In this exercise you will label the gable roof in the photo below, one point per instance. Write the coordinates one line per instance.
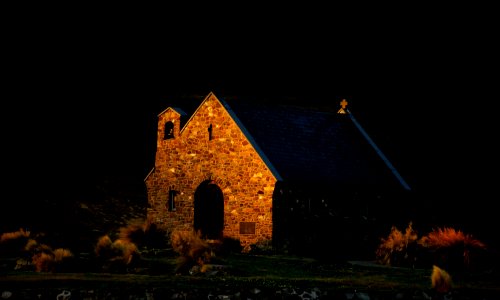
(307, 145)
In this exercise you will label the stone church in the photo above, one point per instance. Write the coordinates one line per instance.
(262, 172)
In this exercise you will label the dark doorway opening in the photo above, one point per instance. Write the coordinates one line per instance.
(209, 210)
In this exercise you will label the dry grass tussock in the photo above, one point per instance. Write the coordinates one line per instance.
(113, 253)
(35, 255)
(124, 250)
(449, 237)
(16, 235)
(441, 280)
(192, 249)
(400, 248)
(397, 248)
(446, 249)
(51, 261)
(118, 250)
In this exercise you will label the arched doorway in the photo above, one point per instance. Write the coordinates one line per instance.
(209, 210)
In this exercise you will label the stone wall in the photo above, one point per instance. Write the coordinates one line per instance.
(228, 158)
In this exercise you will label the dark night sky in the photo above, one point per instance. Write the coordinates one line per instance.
(81, 101)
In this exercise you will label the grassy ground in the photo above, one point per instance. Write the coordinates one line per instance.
(243, 271)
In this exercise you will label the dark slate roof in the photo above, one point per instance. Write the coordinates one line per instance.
(310, 146)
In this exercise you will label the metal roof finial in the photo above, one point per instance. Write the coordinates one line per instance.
(342, 109)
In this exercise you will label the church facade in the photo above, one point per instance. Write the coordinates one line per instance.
(258, 175)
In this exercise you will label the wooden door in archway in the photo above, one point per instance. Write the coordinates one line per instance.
(209, 210)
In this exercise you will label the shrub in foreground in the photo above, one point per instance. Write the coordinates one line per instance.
(193, 251)
(448, 248)
(440, 280)
(398, 248)
(33, 255)
(452, 249)
(116, 256)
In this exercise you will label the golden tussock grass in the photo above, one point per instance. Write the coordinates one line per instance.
(133, 232)
(449, 237)
(60, 254)
(440, 280)
(193, 250)
(444, 244)
(7, 236)
(49, 261)
(119, 250)
(126, 249)
(395, 247)
(456, 246)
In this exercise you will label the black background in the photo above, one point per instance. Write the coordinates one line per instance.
(81, 90)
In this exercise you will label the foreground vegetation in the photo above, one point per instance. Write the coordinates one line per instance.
(125, 262)
(124, 255)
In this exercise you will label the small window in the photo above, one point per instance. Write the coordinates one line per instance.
(169, 130)
(210, 128)
(171, 199)
(247, 227)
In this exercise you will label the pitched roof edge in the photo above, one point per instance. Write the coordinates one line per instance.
(379, 152)
(178, 110)
(198, 108)
(251, 140)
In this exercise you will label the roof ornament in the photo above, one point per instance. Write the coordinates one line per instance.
(342, 109)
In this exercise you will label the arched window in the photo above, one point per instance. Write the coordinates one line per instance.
(169, 130)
